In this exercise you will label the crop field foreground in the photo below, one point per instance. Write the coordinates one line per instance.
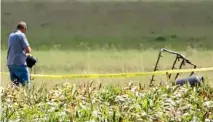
(85, 103)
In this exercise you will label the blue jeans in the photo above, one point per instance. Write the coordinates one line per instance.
(19, 75)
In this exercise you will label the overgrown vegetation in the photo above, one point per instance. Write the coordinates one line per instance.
(85, 103)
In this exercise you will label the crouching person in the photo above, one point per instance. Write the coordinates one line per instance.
(18, 49)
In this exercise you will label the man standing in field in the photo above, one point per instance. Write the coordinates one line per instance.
(18, 49)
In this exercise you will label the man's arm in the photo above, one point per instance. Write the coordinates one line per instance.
(25, 44)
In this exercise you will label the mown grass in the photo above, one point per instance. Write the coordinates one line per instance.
(86, 103)
(107, 61)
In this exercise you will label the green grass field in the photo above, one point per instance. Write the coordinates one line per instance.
(110, 37)
(120, 25)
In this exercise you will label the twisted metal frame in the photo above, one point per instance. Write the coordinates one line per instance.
(179, 57)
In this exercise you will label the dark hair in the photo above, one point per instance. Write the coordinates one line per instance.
(20, 26)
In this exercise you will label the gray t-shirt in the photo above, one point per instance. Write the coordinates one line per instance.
(16, 43)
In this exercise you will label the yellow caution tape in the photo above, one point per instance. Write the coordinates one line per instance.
(120, 74)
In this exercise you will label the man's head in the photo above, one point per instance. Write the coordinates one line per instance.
(22, 26)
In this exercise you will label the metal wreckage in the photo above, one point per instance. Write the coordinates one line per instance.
(192, 79)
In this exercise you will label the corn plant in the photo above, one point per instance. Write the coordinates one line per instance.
(85, 103)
